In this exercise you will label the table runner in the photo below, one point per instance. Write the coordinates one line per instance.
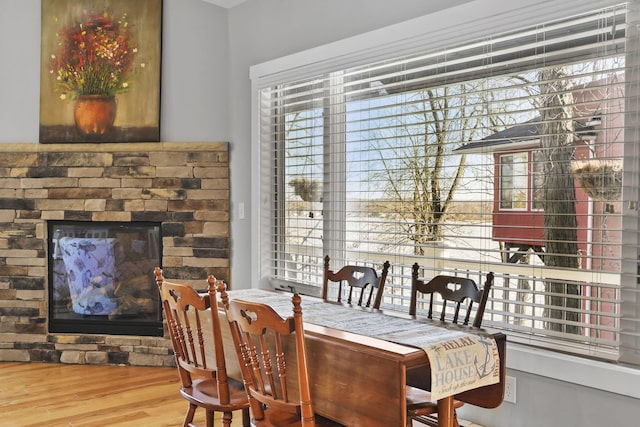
(459, 360)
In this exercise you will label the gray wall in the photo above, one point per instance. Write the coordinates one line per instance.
(19, 70)
(545, 402)
(207, 52)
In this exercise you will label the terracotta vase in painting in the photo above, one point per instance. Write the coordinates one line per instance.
(94, 114)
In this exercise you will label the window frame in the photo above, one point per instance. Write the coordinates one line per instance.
(514, 188)
(533, 173)
(475, 17)
(531, 187)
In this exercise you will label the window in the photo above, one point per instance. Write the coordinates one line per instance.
(537, 179)
(514, 181)
(433, 157)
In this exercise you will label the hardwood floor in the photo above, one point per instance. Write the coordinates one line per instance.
(55, 395)
(51, 395)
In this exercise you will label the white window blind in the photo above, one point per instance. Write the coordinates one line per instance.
(516, 153)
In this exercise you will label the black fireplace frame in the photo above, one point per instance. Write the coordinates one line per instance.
(101, 324)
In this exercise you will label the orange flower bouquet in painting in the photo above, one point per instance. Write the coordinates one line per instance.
(92, 64)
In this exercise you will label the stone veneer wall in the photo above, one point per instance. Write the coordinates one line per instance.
(184, 186)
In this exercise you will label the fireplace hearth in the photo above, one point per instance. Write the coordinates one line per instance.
(99, 278)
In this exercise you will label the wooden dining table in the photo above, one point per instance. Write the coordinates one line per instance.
(359, 380)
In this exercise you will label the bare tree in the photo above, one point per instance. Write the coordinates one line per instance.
(421, 175)
(559, 202)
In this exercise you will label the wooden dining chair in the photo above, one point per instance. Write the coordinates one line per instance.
(363, 280)
(263, 342)
(456, 296)
(193, 326)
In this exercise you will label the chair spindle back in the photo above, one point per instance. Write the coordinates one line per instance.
(461, 292)
(363, 279)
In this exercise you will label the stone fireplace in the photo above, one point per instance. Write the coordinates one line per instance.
(182, 189)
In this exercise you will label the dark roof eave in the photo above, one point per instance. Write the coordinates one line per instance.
(519, 137)
(486, 147)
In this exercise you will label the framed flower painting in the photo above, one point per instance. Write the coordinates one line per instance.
(100, 71)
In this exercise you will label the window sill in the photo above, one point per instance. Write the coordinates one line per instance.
(589, 373)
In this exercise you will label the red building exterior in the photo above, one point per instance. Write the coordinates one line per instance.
(518, 224)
